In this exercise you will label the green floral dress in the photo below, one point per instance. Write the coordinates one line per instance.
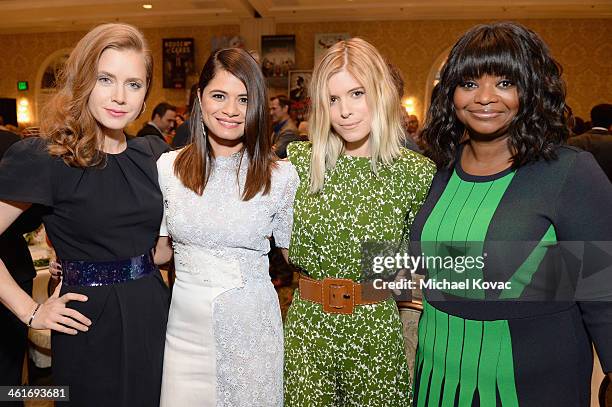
(356, 359)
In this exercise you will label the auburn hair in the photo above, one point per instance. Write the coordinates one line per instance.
(192, 165)
(72, 131)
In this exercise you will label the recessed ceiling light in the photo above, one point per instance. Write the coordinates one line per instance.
(147, 6)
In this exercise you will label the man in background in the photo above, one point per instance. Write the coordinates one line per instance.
(412, 128)
(598, 140)
(162, 120)
(285, 130)
(183, 132)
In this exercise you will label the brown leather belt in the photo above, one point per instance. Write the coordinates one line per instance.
(339, 295)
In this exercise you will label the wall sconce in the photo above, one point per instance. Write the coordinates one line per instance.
(409, 105)
(24, 115)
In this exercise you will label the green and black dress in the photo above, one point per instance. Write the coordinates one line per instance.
(496, 349)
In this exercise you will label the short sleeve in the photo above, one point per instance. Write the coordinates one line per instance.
(423, 173)
(418, 172)
(583, 206)
(26, 173)
(165, 165)
(163, 228)
(283, 219)
(299, 153)
(583, 214)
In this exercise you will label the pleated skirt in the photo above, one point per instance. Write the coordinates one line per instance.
(118, 362)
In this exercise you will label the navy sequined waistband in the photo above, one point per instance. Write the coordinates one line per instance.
(100, 273)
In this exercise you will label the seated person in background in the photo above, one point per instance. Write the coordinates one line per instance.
(598, 140)
(412, 128)
(162, 120)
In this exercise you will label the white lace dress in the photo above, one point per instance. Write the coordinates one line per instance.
(224, 342)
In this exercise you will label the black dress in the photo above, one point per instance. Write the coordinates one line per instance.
(106, 213)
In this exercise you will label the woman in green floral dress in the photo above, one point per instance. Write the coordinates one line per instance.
(356, 185)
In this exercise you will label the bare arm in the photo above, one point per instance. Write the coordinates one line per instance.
(285, 253)
(163, 250)
(53, 314)
(11, 295)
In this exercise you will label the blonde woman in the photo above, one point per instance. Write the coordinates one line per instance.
(102, 208)
(356, 185)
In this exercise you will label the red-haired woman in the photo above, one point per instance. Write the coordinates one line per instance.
(102, 208)
(224, 196)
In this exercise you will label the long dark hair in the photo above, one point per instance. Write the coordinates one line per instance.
(192, 166)
(517, 53)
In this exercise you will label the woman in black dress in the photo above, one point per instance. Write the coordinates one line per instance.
(102, 211)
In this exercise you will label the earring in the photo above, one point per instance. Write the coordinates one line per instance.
(203, 129)
(201, 114)
(144, 107)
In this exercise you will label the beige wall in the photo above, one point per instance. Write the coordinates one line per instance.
(584, 48)
(24, 54)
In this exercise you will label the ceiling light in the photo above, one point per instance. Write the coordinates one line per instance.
(147, 6)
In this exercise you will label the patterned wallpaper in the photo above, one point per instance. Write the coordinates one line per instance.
(24, 54)
(584, 48)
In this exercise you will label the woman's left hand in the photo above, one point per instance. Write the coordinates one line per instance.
(55, 269)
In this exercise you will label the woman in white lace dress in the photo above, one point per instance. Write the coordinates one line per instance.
(224, 196)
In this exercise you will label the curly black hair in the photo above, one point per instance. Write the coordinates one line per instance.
(513, 51)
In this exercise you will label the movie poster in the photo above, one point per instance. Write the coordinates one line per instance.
(299, 81)
(277, 59)
(178, 61)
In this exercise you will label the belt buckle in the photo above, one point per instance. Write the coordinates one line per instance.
(338, 295)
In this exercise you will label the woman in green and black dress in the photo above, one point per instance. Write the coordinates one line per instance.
(496, 130)
(356, 185)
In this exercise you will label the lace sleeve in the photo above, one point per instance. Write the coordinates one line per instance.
(164, 170)
(163, 228)
(283, 219)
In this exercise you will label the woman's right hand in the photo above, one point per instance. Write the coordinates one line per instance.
(53, 314)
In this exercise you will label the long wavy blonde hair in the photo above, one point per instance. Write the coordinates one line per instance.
(363, 61)
(73, 132)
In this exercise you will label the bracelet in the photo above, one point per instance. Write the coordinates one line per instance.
(33, 315)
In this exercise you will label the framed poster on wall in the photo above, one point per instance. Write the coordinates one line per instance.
(178, 61)
(277, 59)
(299, 81)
